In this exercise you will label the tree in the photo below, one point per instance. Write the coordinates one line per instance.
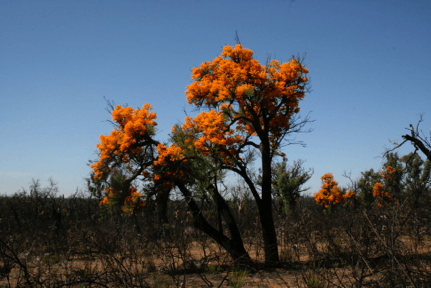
(123, 157)
(365, 184)
(418, 140)
(393, 173)
(390, 185)
(250, 109)
(408, 175)
(417, 174)
(251, 106)
(288, 181)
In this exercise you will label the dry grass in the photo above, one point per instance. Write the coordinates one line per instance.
(84, 247)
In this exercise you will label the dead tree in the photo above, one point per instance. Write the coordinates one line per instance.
(421, 143)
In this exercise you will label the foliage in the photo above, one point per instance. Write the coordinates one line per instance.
(236, 279)
(133, 129)
(129, 200)
(393, 176)
(246, 99)
(417, 174)
(365, 184)
(288, 181)
(123, 155)
(383, 197)
(329, 194)
(408, 174)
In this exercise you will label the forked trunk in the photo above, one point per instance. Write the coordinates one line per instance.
(233, 246)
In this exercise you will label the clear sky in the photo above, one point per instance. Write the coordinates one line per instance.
(369, 65)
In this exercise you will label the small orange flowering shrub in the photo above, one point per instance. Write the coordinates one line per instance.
(383, 198)
(330, 194)
(381, 195)
(133, 202)
(130, 204)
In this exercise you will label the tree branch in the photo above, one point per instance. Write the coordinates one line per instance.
(418, 143)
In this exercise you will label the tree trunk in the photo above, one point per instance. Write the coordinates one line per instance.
(136, 224)
(226, 213)
(234, 246)
(162, 198)
(268, 232)
(265, 210)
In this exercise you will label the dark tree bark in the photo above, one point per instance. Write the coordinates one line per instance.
(418, 143)
(265, 210)
(162, 198)
(233, 246)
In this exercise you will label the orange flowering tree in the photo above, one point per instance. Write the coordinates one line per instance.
(128, 148)
(330, 194)
(251, 109)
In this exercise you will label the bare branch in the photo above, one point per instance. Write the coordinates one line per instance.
(417, 141)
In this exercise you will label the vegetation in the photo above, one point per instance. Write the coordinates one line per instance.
(51, 241)
(330, 195)
(161, 214)
(251, 109)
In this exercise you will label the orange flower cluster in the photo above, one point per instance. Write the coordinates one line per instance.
(132, 126)
(349, 194)
(132, 202)
(259, 97)
(384, 199)
(330, 194)
(166, 156)
(388, 173)
(382, 196)
(207, 131)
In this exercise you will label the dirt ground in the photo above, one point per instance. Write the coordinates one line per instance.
(198, 266)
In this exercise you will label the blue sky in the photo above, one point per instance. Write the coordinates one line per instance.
(369, 65)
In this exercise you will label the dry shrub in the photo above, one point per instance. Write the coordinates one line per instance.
(74, 243)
